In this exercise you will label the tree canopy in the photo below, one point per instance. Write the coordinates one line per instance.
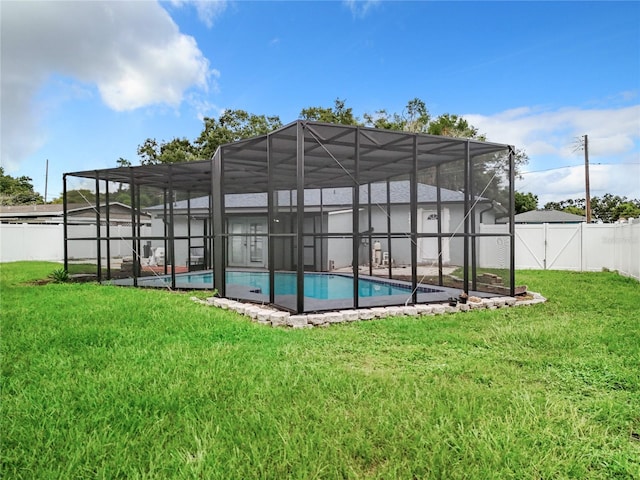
(525, 202)
(17, 190)
(233, 125)
(339, 114)
(607, 209)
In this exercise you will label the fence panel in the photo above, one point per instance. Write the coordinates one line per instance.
(31, 242)
(564, 246)
(627, 249)
(599, 247)
(530, 247)
(494, 252)
(46, 242)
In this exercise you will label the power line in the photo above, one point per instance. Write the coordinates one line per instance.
(576, 166)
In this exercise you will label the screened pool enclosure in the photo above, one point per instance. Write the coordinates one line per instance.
(311, 217)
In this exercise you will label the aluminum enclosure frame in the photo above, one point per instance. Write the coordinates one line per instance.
(298, 160)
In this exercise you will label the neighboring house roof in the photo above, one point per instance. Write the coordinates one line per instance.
(332, 197)
(545, 216)
(54, 212)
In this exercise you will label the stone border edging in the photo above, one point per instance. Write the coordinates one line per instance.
(277, 318)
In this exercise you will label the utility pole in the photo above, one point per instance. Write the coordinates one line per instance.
(582, 143)
(46, 181)
(586, 178)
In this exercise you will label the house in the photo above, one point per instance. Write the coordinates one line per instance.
(247, 215)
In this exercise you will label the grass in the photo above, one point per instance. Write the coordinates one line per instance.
(108, 382)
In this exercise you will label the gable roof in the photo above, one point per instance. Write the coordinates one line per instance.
(545, 216)
(55, 211)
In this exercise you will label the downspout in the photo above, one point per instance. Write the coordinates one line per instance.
(484, 210)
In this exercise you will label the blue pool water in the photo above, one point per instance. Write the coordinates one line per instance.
(316, 285)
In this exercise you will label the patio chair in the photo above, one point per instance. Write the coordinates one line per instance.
(196, 258)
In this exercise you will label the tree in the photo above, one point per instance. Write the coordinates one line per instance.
(628, 210)
(175, 151)
(449, 125)
(339, 114)
(525, 202)
(123, 162)
(611, 208)
(17, 190)
(231, 126)
(415, 118)
(573, 206)
(489, 174)
(608, 209)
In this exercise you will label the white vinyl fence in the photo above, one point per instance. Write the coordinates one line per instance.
(578, 247)
(46, 242)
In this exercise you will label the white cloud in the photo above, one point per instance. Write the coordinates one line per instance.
(561, 184)
(208, 10)
(132, 52)
(360, 8)
(549, 138)
(541, 131)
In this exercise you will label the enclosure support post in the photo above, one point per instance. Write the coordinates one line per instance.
(389, 260)
(465, 237)
(439, 209)
(271, 220)
(512, 232)
(370, 229)
(172, 238)
(189, 232)
(208, 234)
(300, 218)
(165, 230)
(413, 200)
(108, 229)
(217, 223)
(355, 221)
(138, 231)
(472, 224)
(65, 222)
(132, 197)
(98, 240)
(323, 264)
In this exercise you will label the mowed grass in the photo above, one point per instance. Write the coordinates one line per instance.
(108, 382)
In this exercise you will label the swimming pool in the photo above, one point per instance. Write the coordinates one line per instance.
(320, 286)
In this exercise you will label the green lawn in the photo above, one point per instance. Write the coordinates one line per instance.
(107, 382)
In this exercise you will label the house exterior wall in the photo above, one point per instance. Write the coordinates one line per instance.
(340, 249)
(180, 230)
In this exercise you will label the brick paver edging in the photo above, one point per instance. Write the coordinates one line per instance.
(269, 316)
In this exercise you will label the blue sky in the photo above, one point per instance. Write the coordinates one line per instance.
(84, 83)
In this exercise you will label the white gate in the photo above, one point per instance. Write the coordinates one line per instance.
(549, 247)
